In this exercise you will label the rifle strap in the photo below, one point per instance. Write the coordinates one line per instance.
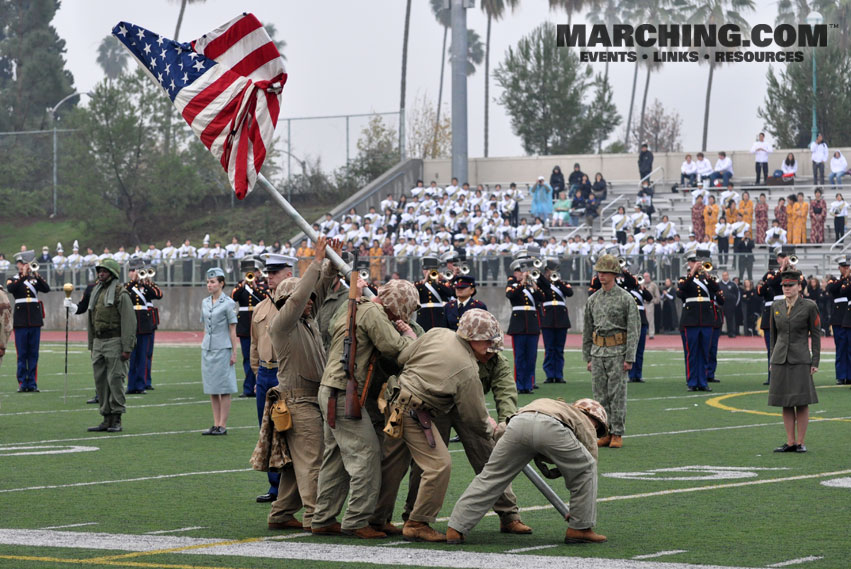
(370, 368)
(331, 414)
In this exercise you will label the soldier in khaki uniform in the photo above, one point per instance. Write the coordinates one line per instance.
(495, 375)
(112, 337)
(301, 358)
(352, 456)
(5, 322)
(546, 430)
(440, 375)
(609, 341)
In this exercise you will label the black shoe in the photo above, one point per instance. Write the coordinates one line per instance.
(267, 497)
(637, 380)
(149, 388)
(800, 448)
(93, 401)
(787, 448)
(534, 387)
(840, 382)
(115, 426)
(34, 390)
(560, 381)
(211, 431)
(692, 389)
(455, 439)
(219, 431)
(707, 388)
(713, 380)
(549, 380)
(100, 428)
(243, 395)
(766, 382)
(21, 389)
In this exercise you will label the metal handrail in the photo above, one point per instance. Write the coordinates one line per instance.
(608, 205)
(840, 240)
(575, 231)
(647, 177)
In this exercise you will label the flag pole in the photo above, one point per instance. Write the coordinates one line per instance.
(332, 255)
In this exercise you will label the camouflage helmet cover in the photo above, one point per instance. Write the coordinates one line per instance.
(594, 409)
(399, 297)
(607, 264)
(286, 288)
(478, 324)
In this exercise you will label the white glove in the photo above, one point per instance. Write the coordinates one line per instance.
(70, 305)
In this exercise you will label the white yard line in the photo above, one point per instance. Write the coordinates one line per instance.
(534, 548)
(677, 408)
(131, 405)
(164, 531)
(71, 525)
(124, 436)
(798, 561)
(452, 557)
(660, 554)
(391, 543)
(140, 479)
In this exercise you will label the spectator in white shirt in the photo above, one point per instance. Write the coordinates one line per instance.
(699, 192)
(388, 202)
(704, 167)
(666, 229)
(819, 157)
(688, 170)
(723, 169)
(418, 190)
(776, 236)
(838, 168)
(621, 225)
(730, 194)
(838, 209)
(761, 149)
(789, 167)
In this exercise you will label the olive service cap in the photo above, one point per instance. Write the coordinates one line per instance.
(790, 276)
(478, 324)
(607, 264)
(399, 297)
(594, 409)
(110, 265)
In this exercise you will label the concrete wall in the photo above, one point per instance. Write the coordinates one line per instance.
(615, 167)
(180, 308)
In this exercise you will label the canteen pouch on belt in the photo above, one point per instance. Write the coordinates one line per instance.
(281, 416)
(389, 401)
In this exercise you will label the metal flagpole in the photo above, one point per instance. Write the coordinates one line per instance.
(68, 288)
(341, 265)
(344, 268)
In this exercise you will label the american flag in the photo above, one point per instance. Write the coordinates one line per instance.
(227, 85)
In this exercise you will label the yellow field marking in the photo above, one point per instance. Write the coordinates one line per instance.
(116, 563)
(172, 550)
(716, 402)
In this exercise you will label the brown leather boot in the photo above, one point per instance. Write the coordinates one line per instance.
(366, 532)
(604, 442)
(387, 528)
(583, 536)
(419, 531)
(333, 529)
(289, 524)
(514, 526)
(454, 537)
(617, 442)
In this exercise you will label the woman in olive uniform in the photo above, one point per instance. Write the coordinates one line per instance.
(794, 324)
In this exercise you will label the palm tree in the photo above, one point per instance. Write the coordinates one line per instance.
(112, 57)
(571, 6)
(444, 18)
(717, 12)
(475, 51)
(404, 76)
(279, 44)
(495, 9)
(183, 4)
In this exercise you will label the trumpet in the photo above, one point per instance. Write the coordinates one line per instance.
(555, 277)
(34, 266)
(433, 275)
(640, 280)
(364, 274)
(465, 269)
(793, 260)
(448, 275)
(622, 262)
(535, 274)
(250, 277)
(538, 263)
(707, 266)
(147, 274)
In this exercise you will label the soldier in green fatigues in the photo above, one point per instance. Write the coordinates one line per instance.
(112, 337)
(609, 340)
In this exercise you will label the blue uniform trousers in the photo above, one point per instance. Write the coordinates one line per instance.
(525, 348)
(712, 363)
(698, 342)
(138, 373)
(554, 339)
(638, 364)
(840, 339)
(149, 361)
(26, 344)
(250, 379)
(767, 338)
(266, 379)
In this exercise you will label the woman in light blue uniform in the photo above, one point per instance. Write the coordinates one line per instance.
(218, 350)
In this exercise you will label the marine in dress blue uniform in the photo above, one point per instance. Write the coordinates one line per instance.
(845, 292)
(140, 292)
(465, 290)
(27, 319)
(434, 291)
(717, 323)
(769, 289)
(837, 315)
(697, 289)
(555, 319)
(248, 294)
(157, 294)
(525, 296)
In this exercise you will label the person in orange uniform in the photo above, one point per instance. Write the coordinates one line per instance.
(746, 208)
(710, 217)
(799, 211)
(305, 254)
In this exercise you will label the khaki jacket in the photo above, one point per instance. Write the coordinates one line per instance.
(5, 318)
(497, 376)
(790, 334)
(261, 344)
(440, 368)
(374, 332)
(570, 417)
(296, 338)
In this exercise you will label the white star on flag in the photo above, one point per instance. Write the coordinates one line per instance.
(141, 33)
(122, 31)
(199, 65)
(147, 48)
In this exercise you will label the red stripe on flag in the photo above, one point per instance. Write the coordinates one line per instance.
(274, 107)
(234, 34)
(222, 120)
(256, 59)
(259, 149)
(203, 99)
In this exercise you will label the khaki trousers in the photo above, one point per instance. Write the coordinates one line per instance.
(351, 464)
(434, 463)
(299, 479)
(527, 435)
(478, 450)
(110, 371)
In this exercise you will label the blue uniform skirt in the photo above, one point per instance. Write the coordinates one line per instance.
(218, 376)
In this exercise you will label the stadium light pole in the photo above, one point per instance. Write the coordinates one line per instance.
(814, 19)
(459, 87)
(52, 111)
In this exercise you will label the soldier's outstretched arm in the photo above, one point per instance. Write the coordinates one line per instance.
(633, 331)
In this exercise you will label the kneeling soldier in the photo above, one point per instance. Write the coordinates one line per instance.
(556, 432)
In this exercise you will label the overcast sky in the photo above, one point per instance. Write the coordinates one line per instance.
(344, 57)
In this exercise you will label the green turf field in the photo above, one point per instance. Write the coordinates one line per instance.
(695, 483)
